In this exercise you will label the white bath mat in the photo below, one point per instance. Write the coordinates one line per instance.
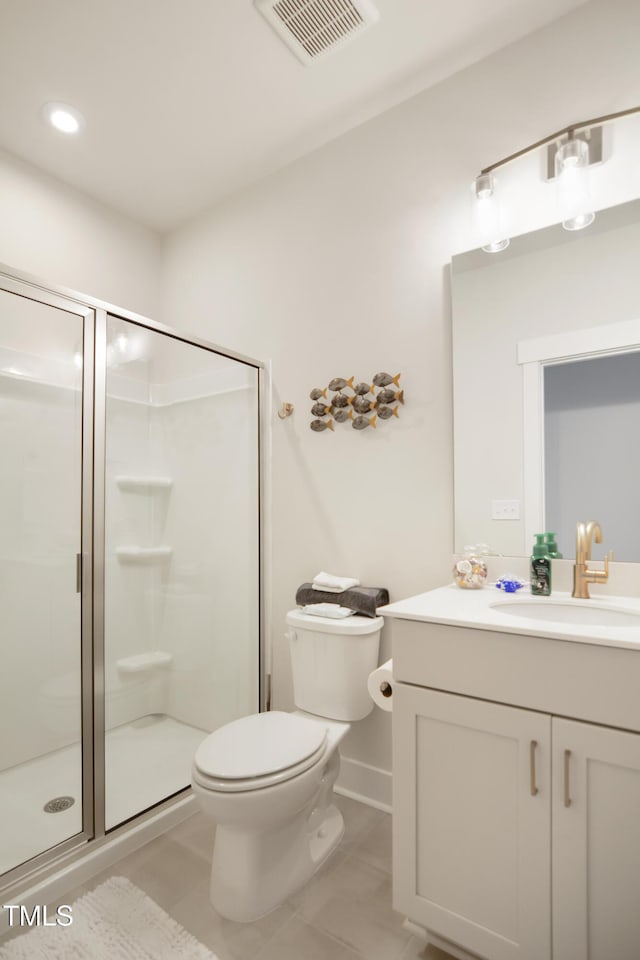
(116, 921)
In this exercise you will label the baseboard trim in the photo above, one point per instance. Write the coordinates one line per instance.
(365, 783)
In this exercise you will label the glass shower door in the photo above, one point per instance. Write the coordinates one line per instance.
(41, 466)
(181, 558)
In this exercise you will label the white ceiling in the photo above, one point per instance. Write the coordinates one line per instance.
(187, 101)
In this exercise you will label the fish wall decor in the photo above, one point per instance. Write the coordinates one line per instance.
(375, 394)
(319, 425)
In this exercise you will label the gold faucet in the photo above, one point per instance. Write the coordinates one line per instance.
(582, 574)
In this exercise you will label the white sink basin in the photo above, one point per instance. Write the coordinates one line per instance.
(584, 612)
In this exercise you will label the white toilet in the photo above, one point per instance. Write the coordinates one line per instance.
(267, 779)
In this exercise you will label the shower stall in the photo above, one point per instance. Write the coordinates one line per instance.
(131, 540)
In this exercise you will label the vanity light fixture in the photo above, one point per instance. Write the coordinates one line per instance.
(571, 151)
(488, 214)
(571, 168)
(64, 118)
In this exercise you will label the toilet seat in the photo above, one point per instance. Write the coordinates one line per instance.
(259, 751)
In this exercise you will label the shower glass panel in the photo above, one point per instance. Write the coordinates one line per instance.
(41, 402)
(181, 558)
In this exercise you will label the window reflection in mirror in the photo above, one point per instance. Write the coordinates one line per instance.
(591, 450)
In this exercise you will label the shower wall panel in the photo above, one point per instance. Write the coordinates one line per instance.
(39, 613)
(129, 512)
(208, 612)
(182, 549)
(40, 479)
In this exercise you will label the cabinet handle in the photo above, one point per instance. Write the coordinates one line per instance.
(567, 793)
(78, 573)
(532, 767)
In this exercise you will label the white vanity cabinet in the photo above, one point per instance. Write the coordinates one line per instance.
(516, 829)
(595, 842)
(472, 845)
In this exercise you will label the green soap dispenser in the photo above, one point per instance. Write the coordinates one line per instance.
(552, 547)
(540, 568)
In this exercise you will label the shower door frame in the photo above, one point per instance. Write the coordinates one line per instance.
(95, 313)
(30, 289)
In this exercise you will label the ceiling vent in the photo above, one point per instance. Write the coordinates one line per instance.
(313, 28)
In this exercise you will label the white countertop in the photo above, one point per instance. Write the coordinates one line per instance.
(473, 608)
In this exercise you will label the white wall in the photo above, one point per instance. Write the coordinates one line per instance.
(337, 266)
(67, 239)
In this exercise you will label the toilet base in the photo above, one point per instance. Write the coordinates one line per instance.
(271, 840)
(253, 874)
(327, 837)
(255, 870)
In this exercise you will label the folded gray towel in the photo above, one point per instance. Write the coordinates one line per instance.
(359, 599)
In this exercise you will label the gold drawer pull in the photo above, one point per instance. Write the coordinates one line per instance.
(532, 767)
(567, 793)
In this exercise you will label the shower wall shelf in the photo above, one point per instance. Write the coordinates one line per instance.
(143, 662)
(143, 484)
(143, 554)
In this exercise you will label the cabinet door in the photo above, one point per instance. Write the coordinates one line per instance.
(471, 820)
(596, 842)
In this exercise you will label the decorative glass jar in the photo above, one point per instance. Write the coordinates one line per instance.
(470, 568)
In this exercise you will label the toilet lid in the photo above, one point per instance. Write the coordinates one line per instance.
(258, 745)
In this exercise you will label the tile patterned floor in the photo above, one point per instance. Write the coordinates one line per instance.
(344, 913)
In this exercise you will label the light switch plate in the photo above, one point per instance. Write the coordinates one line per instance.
(505, 509)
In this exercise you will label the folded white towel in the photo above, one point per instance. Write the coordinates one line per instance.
(325, 589)
(327, 581)
(331, 610)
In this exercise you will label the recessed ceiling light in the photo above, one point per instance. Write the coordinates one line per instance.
(63, 117)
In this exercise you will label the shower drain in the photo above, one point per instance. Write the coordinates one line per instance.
(58, 804)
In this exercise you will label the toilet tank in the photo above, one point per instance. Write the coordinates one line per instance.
(331, 661)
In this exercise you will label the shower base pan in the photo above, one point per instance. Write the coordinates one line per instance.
(146, 761)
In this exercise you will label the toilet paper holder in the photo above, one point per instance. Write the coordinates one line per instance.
(380, 686)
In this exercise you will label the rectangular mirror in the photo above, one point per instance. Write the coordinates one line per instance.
(579, 292)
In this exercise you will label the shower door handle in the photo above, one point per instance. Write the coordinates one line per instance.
(78, 573)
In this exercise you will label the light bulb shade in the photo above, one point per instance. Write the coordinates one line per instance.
(572, 153)
(572, 178)
(488, 216)
(484, 186)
